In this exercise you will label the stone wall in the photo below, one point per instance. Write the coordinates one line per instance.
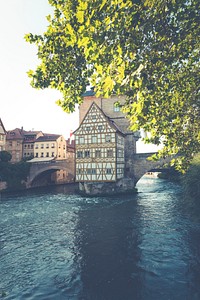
(125, 185)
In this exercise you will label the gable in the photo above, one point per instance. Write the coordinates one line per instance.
(2, 129)
(95, 121)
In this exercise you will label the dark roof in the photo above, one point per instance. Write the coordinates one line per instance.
(49, 137)
(30, 132)
(89, 93)
(15, 134)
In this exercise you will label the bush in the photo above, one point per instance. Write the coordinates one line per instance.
(14, 174)
(5, 156)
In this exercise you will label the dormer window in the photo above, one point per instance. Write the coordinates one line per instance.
(116, 107)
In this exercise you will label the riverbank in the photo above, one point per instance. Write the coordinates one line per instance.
(67, 188)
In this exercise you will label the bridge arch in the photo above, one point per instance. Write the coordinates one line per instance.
(143, 165)
(39, 170)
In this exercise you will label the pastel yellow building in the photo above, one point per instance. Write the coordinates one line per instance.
(28, 143)
(50, 146)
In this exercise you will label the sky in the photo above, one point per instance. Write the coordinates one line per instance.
(20, 104)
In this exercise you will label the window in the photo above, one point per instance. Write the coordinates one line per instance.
(97, 153)
(87, 154)
(120, 171)
(87, 128)
(36, 146)
(94, 139)
(93, 117)
(79, 171)
(42, 154)
(120, 153)
(36, 154)
(79, 154)
(91, 171)
(108, 138)
(108, 171)
(81, 140)
(52, 154)
(109, 153)
(47, 154)
(120, 140)
(47, 146)
(100, 127)
(42, 146)
(52, 145)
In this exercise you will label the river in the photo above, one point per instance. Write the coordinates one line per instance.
(58, 246)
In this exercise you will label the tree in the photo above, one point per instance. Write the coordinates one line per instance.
(5, 156)
(192, 178)
(147, 50)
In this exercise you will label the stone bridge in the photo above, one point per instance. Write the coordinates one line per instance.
(44, 167)
(141, 164)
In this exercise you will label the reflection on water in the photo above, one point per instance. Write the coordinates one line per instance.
(59, 246)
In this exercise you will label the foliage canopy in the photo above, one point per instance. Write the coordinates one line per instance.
(14, 174)
(147, 50)
(5, 156)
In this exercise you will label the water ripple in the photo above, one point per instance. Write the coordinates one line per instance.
(59, 246)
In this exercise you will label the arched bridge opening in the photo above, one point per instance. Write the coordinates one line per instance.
(143, 165)
(44, 174)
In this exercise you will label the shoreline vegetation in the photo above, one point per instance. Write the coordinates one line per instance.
(14, 175)
(191, 180)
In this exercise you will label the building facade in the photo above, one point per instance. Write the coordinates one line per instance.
(14, 144)
(99, 148)
(28, 143)
(105, 146)
(50, 146)
(2, 137)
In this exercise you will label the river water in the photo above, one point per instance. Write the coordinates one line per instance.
(62, 246)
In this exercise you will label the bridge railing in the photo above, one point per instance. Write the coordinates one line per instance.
(143, 155)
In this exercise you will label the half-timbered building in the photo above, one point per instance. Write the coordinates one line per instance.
(99, 148)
